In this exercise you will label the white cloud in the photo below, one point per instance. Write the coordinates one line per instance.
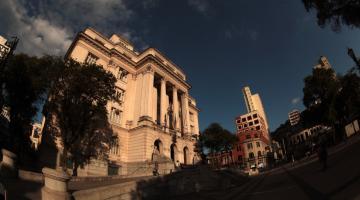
(48, 26)
(37, 35)
(201, 6)
(295, 100)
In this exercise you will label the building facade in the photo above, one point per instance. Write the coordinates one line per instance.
(305, 135)
(323, 63)
(156, 119)
(253, 103)
(4, 47)
(294, 117)
(254, 140)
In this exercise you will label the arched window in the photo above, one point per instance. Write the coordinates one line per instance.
(186, 155)
(173, 152)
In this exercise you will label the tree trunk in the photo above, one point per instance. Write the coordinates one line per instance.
(64, 159)
(75, 168)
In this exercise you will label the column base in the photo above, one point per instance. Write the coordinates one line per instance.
(145, 121)
(55, 185)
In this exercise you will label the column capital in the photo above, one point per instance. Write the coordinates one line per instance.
(148, 69)
(163, 79)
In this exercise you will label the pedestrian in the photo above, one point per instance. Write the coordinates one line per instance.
(322, 154)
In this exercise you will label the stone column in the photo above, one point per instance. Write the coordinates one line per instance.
(185, 112)
(162, 102)
(176, 108)
(8, 166)
(146, 96)
(55, 185)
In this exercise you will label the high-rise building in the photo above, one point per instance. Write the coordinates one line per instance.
(254, 140)
(253, 133)
(156, 120)
(253, 103)
(294, 117)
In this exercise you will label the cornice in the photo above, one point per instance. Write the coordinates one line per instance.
(115, 53)
(192, 106)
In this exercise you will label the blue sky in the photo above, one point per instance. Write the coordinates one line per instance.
(221, 45)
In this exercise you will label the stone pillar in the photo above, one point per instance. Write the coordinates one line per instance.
(162, 102)
(8, 167)
(185, 112)
(55, 185)
(176, 108)
(146, 97)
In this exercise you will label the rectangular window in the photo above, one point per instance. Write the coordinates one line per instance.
(248, 136)
(249, 118)
(256, 135)
(245, 125)
(91, 59)
(243, 119)
(191, 116)
(115, 115)
(249, 146)
(257, 144)
(120, 94)
(254, 115)
(122, 74)
(192, 129)
(256, 121)
(114, 148)
(258, 128)
(251, 123)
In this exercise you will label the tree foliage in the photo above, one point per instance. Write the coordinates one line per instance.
(320, 91)
(335, 12)
(76, 112)
(348, 99)
(25, 80)
(218, 139)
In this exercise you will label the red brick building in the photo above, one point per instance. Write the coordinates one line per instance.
(254, 140)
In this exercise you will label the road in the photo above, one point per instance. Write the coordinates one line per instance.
(341, 180)
(305, 180)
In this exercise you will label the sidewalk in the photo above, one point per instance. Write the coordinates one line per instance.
(313, 158)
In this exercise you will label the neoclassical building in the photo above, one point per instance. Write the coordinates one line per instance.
(156, 119)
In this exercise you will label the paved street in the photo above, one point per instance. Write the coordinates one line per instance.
(340, 181)
(305, 180)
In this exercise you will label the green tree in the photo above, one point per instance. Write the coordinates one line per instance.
(217, 139)
(348, 100)
(335, 12)
(320, 92)
(26, 80)
(76, 112)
